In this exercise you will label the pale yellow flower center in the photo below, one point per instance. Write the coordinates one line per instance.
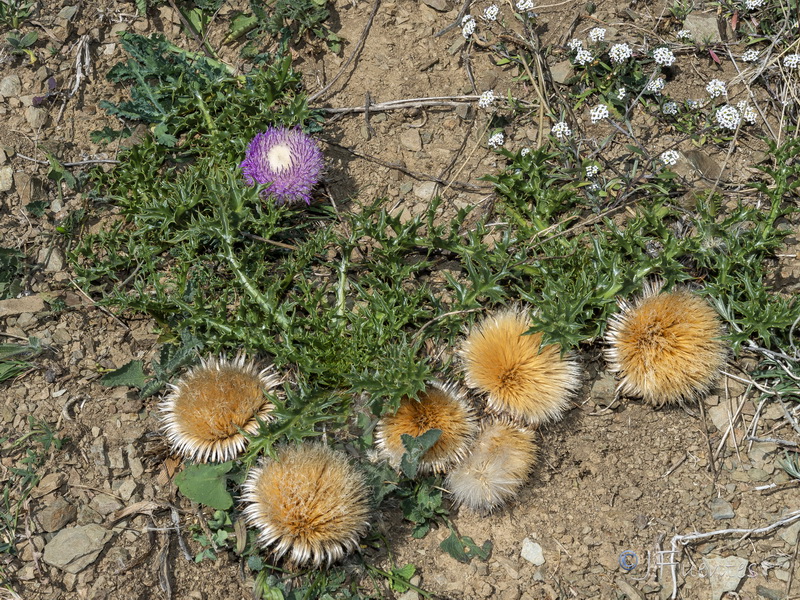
(280, 158)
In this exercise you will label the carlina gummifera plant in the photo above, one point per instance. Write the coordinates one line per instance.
(287, 160)
(666, 347)
(308, 503)
(440, 406)
(521, 378)
(207, 413)
(496, 467)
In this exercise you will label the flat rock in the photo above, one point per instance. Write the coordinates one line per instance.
(440, 5)
(10, 86)
(532, 552)
(74, 549)
(604, 390)
(562, 71)
(425, 190)
(105, 504)
(50, 482)
(410, 140)
(6, 178)
(36, 117)
(17, 306)
(704, 27)
(721, 509)
(790, 534)
(57, 515)
(724, 574)
(720, 415)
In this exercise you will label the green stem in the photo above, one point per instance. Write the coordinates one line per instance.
(397, 579)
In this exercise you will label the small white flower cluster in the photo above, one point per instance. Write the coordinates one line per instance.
(486, 99)
(655, 86)
(791, 61)
(490, 12)
(525, 152)
(750, 55)
(575, 44)
(728, 117)
(669, 157)
(716, 88)
(684, 34)
(621, 93)
(748, 113)
(753, 4)
(467, 26)
(561, 130)
(597, 34)
(583, 57)
(598, 113)
(497, 140)
(525, 5)
(663, 56)
(670, 108)
(595, 187)
(620, 53)
(592, 170)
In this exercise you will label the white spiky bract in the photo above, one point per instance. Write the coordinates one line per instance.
(521, 378)
(206, 411)
(665, 347)
(440, 406)
(496, 467)
(308, 503)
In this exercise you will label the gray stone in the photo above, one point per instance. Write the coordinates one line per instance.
(127, 489)
(50, 482)
(105, 504)
(410, 140)
(724, 574)
(720, 415)
(631, 493)
(532, 552)
(440, 5)
(704, 27)
(10, 86)
(562, 71)
(68, 12)
(57, 515)
(756, 474)
(425, 190)
(6, 178)
(604, 390)
(790, 534)
(766, 592)
(74, 549)
(97, 452)
(409, 595)
(721, 509)
(52, 259)
(36, 117)
(626, 588)
(706, 166)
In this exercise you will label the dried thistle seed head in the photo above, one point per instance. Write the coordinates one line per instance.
(440, 406)
(309, 503)
(286, 159)
(496, 467)
(665, 347)
(520, 377)
(205, 411)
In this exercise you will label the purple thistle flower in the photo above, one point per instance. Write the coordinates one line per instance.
(286, 159)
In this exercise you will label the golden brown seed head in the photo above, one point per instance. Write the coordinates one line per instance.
(520, 377)
(205, 410)
(665, 347)
(309, 503)
(496, 467)
(440, 407)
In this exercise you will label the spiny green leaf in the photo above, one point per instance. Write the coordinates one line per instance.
(206, 484)
(131, 375)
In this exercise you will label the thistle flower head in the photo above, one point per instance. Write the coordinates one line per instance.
(441, 407)
(286, 159)
(206, 411)
(665, 347)
(496, 467)
(521, 378)
(308, 503)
